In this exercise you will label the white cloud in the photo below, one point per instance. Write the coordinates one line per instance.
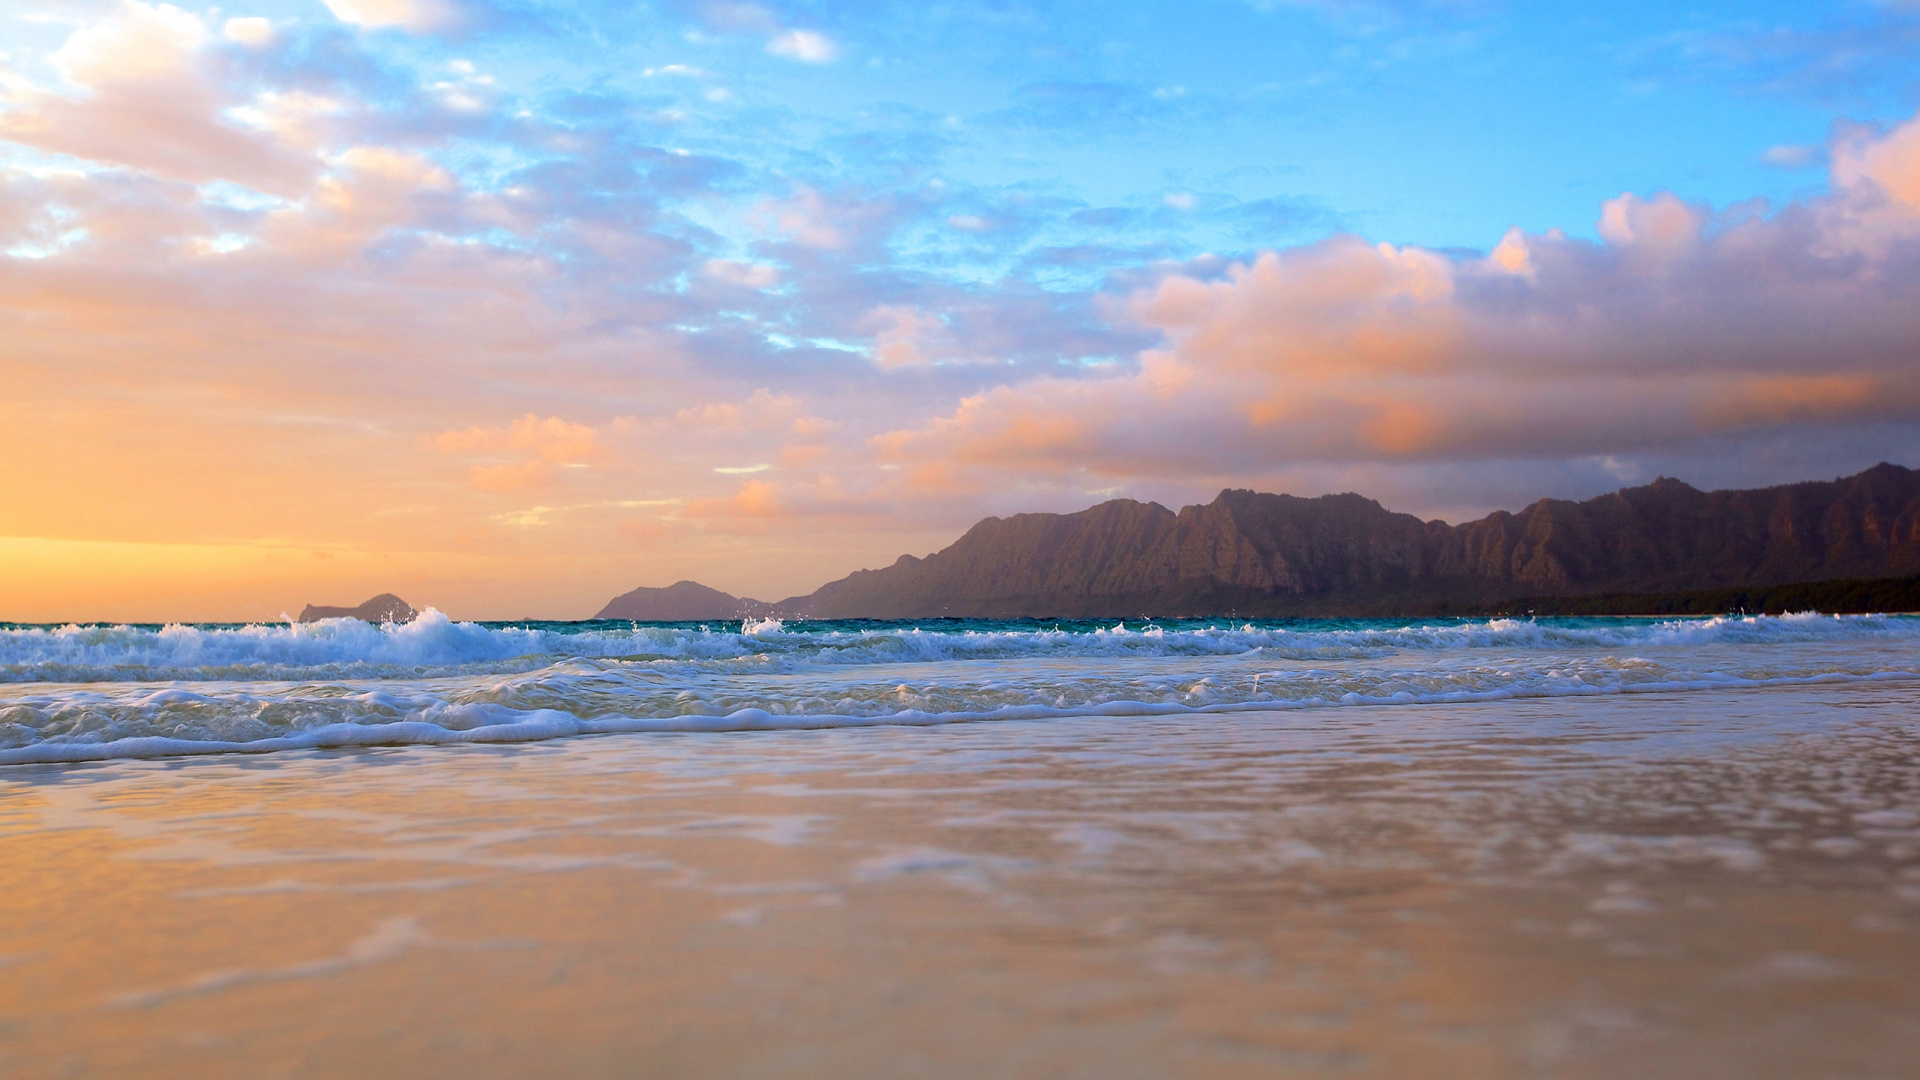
(1790, 156)
(142, 43)
(417, 16)
(157, 102)
(252, 32)
(808, 45)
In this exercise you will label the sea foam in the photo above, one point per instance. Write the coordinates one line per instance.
(433, 645)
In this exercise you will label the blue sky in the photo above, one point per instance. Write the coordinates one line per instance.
(760, 293)
(1435, 124)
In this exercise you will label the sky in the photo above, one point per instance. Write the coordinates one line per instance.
(509, 306)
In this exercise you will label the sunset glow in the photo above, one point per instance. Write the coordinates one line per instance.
(509, 307)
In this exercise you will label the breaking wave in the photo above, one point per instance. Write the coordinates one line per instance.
(80, 693)
(433, 645)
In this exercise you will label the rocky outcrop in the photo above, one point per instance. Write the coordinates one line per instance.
(1250, 553)
(682, 601)
(383, 608)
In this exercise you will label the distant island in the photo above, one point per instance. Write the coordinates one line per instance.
(383, 608)
(1665, 547)
(682, 601)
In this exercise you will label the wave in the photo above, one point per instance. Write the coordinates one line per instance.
(429, 645)
(176, 722)
(433, 645)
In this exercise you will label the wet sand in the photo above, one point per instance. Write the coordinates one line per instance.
(1648, 886)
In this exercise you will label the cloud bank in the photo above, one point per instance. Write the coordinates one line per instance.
(1679, 322)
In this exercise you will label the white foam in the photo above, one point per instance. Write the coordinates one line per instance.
(435, 645)
(330, 648)
(88, 693)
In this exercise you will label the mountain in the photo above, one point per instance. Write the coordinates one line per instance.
(383, 608)
(682, 601)
(1250, 553)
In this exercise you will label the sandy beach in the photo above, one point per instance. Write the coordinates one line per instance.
(1658, 885)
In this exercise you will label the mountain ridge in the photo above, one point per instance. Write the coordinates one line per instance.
(1258, 554)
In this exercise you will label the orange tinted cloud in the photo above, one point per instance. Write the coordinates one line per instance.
(1677, 324)
(760, 502)
(550, 442)
(1325, 309)
(140, 94)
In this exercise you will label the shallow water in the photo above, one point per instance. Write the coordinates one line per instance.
(1637, 848)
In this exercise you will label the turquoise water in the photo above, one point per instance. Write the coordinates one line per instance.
(87, 692)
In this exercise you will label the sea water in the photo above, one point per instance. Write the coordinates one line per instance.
(77, 693)
(1426, 848)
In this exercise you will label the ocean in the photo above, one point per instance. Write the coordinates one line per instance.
(1396, 848)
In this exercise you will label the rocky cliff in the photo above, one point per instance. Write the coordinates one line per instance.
(1249, 553)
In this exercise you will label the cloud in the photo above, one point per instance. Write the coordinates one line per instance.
(144, 93)
(831, 222)
(1888, 163)
(542, 444)
(807, 218)
(415, 16)
(510, 476)
(763, 411)
(250, 31)
(744, 274)
(905, 336)
(1679, 323)
(1790, 156)
(371, 190)
(553, 440)
(143, 43)
(807, 45)
(759, 504)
